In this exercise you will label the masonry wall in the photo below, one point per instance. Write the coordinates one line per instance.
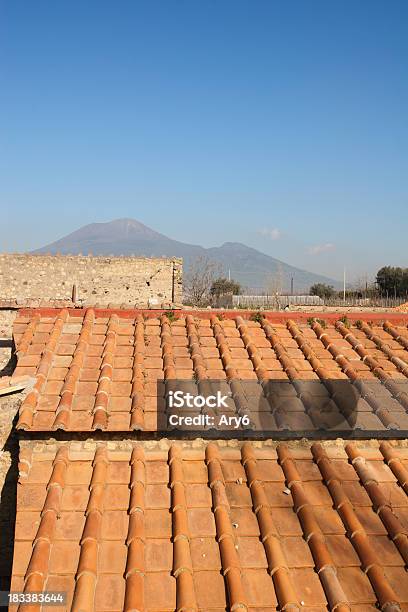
(32, 280)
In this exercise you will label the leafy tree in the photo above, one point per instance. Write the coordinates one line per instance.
(222, 286)
(322, 290)
(392, 281)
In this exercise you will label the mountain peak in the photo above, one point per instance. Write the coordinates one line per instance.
(126, 222)
(125, 226)
(235, 245)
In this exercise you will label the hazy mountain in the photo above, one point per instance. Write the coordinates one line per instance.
(248, 266)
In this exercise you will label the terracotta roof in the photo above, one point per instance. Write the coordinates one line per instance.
(122, 527)
(99, 369)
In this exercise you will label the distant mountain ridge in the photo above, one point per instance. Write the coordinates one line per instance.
(249, 267)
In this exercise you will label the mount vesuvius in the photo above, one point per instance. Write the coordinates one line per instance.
(248, 266)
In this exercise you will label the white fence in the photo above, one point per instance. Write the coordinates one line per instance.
(279, 302)
(275, 301)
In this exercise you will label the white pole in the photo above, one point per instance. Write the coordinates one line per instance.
(344, 284)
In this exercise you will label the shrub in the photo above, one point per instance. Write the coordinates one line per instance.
(257, 317)
(171, 315)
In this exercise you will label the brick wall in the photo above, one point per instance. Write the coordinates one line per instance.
(33, 280)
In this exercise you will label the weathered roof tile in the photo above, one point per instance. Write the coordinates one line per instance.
(168, 545)
(99, 370)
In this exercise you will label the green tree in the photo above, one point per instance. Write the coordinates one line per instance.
(392, 281)
(222, 286)
(322, 290)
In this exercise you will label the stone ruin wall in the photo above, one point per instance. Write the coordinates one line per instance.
(35, 280)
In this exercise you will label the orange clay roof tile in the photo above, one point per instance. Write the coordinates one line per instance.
(99, 369)
(213, 527)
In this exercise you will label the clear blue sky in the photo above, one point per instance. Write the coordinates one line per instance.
(282, 125)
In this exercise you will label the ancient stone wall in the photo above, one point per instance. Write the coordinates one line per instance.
(32, 280)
